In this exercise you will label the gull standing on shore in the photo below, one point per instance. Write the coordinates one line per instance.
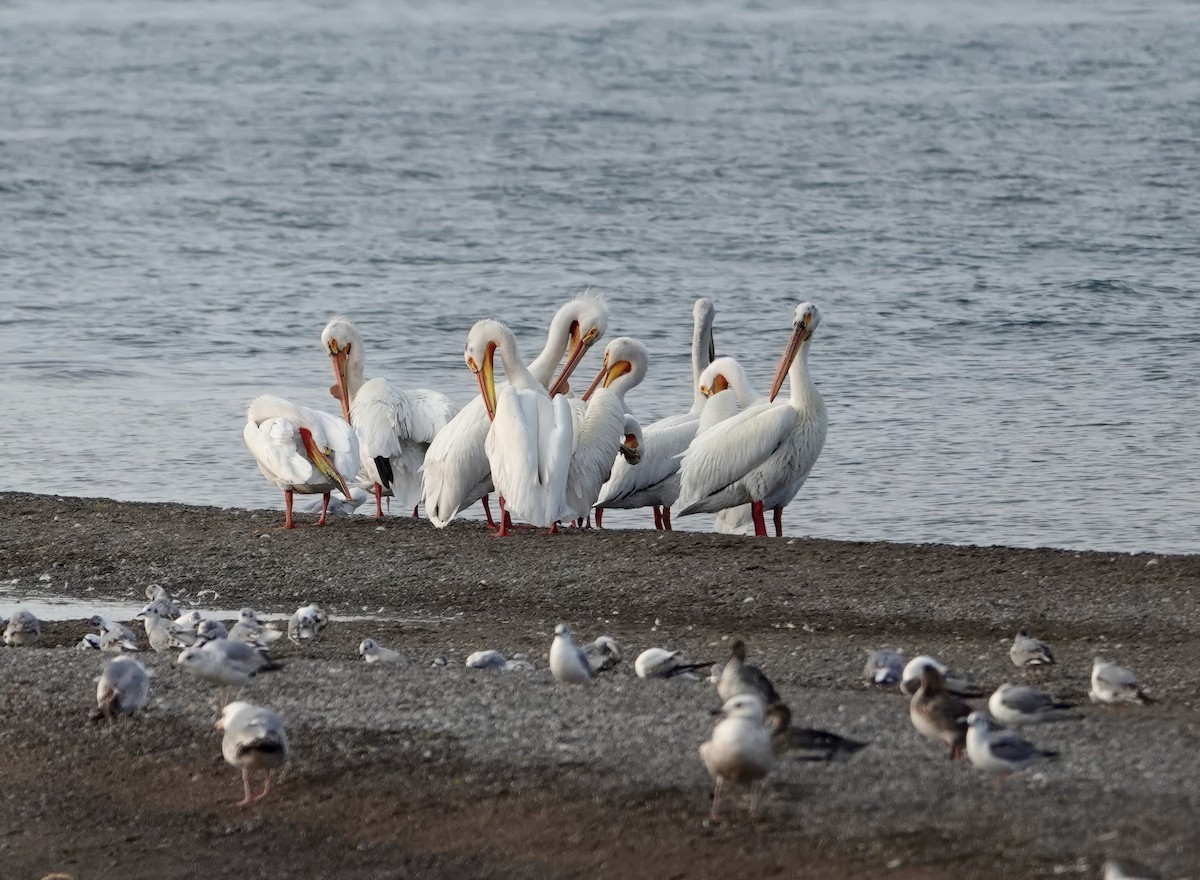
(22, 630)
(121, 689)
(253, 739)
(161, 601)
(300, 450)
(456, 473)
(652, 481)
(1027, 651)
(739, 751)
(762, 455)
(394, 427)
(568, 662)
(938, 715)
(532, 435)
(163, 634)
(1113, 684)
(224, 662)
(1018, 706)
(1000, 753)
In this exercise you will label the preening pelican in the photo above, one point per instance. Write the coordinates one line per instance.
(456, 472)
(764, 454)
(727, 390)
(653, 483)
(606, 429)
(300, 449)
(530, 441)
(394, 427)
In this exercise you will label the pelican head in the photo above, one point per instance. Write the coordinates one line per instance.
(803, 324)
(716, 376)
(480, 355)
(624, 356)
(343, 342)
(587, 318)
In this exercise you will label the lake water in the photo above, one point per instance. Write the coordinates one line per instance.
(994, 204)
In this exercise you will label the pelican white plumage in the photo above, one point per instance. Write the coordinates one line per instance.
(300, 449)
(652, 482)
(456, 473)
(606, 427)
(727, 391)
(764, 454)
(394, 427)
(532, 435)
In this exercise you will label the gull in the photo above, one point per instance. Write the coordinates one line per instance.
(602, 654)
(568, 662)
(162, 602)
(1115, 684)
(910, 679)
(999, 752)
(22, 629)
(1027, 651)
(121, 689)
(113, 642)
(1017, 706)
(89, 642)
(249, 629)
(208, 630)
(938, 715)
(739, 677)
(884, 666)
(191, 620)
(162, 633)
(118, 630)
(739, 751)
(307, 623)
(339, 504)
(224, 662)
(254, 739)
(373, 652)
(661, 663)
(805, 742)
(496, 660)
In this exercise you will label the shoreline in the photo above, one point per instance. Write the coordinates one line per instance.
(618, 758)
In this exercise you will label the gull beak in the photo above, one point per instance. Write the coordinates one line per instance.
(579, 347)
(800, 332)
(321, 461)
(340, 357)
(486, 375)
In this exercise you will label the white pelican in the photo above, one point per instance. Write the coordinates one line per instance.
(300, 449)
(606, 429)
(456, 472)
(727, 391)
(530, 441)
(394, 427)
(651, 483)
(764, 454)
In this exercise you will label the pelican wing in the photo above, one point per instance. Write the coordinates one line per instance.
(662, 443)
(456, 472)
(275, 445)
(529, 448)
(723, 455)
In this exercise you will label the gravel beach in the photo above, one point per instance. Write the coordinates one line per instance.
(440, 771)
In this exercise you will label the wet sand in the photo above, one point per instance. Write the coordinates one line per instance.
(430, 771)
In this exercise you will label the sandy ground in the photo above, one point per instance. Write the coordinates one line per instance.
(439, 771)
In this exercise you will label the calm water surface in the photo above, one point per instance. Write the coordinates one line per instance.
(994, 204)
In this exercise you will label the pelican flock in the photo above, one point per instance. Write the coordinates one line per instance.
(552, 457)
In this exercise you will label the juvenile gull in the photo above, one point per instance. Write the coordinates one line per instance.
(959, 686)
(163, 634)
(249, 629)
(121, 689)
(1017, 706)
(373, 652)
(254, 739)
(806, 743)
(739, 751)
(307, 623)
(496, 660)
(661, 663)
(1000, 753)
(937, 714)
(568, 662)
(22, 629)
(1027, 651)
(739, 677)
(224, 662)
(884, 666)
(1115, 684)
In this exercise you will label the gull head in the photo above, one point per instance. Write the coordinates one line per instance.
(367, 646)
(744, 706)
(562, 630)
(980, 721)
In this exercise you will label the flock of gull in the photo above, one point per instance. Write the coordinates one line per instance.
(550, 456)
